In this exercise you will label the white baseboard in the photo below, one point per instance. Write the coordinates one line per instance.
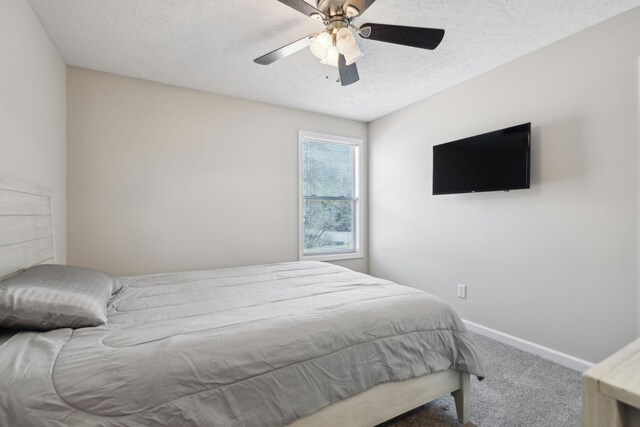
(542, 351)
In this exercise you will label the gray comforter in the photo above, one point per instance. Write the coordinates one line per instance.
(252, 346)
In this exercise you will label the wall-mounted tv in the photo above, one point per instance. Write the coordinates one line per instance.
(494, 161)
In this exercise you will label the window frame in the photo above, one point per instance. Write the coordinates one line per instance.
(358, 217)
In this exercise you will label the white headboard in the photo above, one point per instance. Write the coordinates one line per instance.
(26, 236)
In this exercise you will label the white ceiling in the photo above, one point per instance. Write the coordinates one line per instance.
(210, 44)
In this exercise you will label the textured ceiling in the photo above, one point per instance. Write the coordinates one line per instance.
(210, 44)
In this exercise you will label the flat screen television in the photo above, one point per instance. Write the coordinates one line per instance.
(494, 161)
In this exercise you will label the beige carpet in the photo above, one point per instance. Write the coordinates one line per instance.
(521, 390)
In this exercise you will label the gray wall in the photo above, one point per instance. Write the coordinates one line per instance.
(33, 110)
(557, 264)
(167, 179)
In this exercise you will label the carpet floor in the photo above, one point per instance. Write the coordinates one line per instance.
(521, 390)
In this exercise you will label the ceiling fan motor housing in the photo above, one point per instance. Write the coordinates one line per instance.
(334, 8)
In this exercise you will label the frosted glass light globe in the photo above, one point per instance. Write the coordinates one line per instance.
(353, 55)
(348, 46)
(320, 45)
(332, 57)
(345, 41)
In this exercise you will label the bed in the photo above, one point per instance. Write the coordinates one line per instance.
(300, 344)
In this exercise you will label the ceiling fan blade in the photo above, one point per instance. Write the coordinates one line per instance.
(348, 73)
(423, 38)
(302, 7)
(361, 5)
(283, 52)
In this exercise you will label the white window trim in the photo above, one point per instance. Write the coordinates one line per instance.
(359, 187)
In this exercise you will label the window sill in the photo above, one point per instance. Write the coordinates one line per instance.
(332, 257)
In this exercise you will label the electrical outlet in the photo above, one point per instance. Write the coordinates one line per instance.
(462, 291)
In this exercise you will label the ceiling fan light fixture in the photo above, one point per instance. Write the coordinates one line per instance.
(337, 45)
(320, 45)
(332, 57)
(353, 55)
(348, 46)
(345, 41)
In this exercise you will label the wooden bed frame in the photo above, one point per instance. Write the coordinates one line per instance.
(26, 236)
(387, 401)
(26, 239)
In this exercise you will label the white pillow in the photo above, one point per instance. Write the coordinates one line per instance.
(46, 297)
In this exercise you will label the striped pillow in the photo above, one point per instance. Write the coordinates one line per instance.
(46, 297)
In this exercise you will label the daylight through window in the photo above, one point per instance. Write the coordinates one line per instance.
(329, 171)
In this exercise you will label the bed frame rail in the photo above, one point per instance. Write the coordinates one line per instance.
(387, 401)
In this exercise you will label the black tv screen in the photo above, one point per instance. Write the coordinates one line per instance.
(494, 161)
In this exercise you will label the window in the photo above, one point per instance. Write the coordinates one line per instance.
(330, 188)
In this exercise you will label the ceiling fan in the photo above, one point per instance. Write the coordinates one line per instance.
(337, 46)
